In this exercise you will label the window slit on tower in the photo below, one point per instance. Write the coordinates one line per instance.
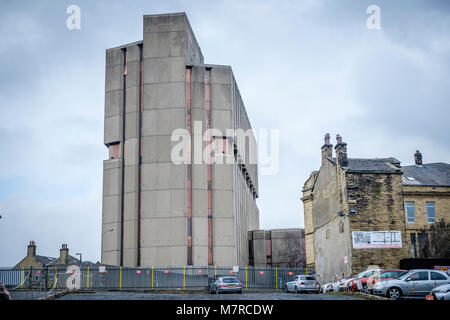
(189, 168)
(209, 166)
(124, 51)
(139, 204)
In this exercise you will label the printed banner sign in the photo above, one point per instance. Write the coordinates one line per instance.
(376, 239)
(442, 268)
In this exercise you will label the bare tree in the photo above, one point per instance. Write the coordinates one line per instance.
(292, 253)
(434, 242)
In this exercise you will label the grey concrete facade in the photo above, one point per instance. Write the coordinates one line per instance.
(155, 211)
(277, 248)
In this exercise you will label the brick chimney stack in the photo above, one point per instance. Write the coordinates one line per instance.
(341, 152)
(64, 254)
(327, 148)
(31, 249)
(418, 158)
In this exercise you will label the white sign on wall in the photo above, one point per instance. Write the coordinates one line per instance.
(376, 239)
(235, 269)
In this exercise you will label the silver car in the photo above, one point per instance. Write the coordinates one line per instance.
(418, 282)
(225, 284)
(441, 293)
(303, 283)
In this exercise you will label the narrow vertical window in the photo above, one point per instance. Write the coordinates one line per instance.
(413, 245)
(209, 166)
(189, 168)
(410, 212)
(141, 110)
(124, 97)
(431, 212)
(269, 251)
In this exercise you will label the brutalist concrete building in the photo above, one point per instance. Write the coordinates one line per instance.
(157, 212)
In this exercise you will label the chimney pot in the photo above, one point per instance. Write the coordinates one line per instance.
(341, 152)
(31, 249)
(418, 158)
(327, 148)
(63, 254)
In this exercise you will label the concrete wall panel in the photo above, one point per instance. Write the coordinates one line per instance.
(222, 177)
(223, 204)
(111, 182)
(113, 103)
(111, 209)
(221, 96)
(113, 129)
(165, 95)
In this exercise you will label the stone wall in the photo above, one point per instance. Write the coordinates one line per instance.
(378, 200)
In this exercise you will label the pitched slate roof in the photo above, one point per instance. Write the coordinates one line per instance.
(70, 260)
(44, 260)
(375, 165)
(431, 174)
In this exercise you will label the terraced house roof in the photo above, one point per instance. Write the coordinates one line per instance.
(431, 174)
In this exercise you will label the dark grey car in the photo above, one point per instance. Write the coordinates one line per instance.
(225, 284)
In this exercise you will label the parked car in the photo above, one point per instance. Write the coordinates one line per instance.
(4, 293)
(335, 286)
(226, 284)
(385, 274)
(328, 287)
(303, 283)
(343, 283)
(359, 282)
(441, 292)
(418, 282)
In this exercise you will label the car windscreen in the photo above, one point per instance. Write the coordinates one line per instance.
(403, 275)
(230, 280)
(371, 272)
(400, 275)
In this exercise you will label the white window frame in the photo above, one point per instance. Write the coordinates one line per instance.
(414, 211)
(434, 211)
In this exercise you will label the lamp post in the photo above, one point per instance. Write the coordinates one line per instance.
(79, 254)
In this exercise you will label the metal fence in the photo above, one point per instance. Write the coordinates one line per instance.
(95, 277)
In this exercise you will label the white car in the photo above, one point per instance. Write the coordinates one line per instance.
(327, 287)
(441, 292)
(303, 283)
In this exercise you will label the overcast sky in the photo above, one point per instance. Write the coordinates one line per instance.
(304, 67)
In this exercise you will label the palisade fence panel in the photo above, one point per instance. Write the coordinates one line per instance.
(95, 277)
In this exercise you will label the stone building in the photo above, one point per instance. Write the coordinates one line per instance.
(157, 212)
(32, 260)
(426, 192)
(277, 248)
(354, 215)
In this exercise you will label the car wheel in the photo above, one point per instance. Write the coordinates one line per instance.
(365, 289)
(394, 293)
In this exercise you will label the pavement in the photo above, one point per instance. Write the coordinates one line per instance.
(108, 295)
